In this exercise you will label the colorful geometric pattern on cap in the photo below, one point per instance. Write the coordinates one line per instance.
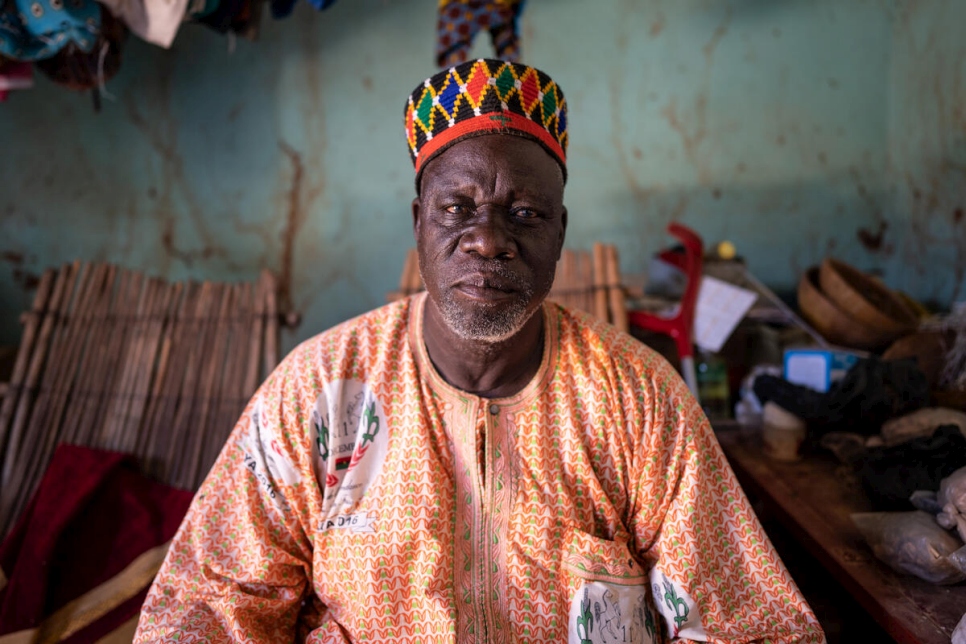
(484, 95)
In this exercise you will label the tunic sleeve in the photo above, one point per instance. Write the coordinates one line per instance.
(237, 569)
(715, 576)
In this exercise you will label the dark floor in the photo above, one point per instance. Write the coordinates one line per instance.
(843, 619)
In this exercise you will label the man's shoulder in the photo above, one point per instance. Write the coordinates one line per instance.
(356, 339)
(593, 339)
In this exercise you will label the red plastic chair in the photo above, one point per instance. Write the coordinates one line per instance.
(679, 325)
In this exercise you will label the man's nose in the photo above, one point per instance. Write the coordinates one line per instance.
(488, 235)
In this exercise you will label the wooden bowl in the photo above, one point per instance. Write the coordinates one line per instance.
(834, 325)
(865, 299)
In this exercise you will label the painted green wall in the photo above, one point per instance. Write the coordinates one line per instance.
(794, 129)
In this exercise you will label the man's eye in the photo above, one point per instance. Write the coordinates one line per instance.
(457, 209)
(525, 213)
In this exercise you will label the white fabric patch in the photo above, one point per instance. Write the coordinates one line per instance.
(352, 439)
(265, 458)
(677, 608)
(605, 613)
(355, 522)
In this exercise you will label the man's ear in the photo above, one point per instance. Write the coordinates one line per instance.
(563, 232)
(415, 217)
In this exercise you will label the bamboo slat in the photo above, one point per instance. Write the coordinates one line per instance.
(14, 462)
(152, 450)
(575, 280)
(101, 328)
(87, 328)
(563, 290)
(271, 324)
(179, 334)
(42, 432)
(117, 435)
(258, 322)
(181, 449)
(216, 335)
(33, 375)
(115, 392)
(32, 323)
(158, 298)
(600, 282)
(618, 308)
(405, 280)
(76, 345)
(230, 393)
(410, 280)
(118, 347)
(585, 281)
(44, 427)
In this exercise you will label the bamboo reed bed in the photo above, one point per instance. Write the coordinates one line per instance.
(589, 281)
(410, 280)
(113, 359)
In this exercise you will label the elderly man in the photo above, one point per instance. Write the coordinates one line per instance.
(475, 464)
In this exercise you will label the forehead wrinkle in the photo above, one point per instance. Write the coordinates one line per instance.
(460, 168)
(455, 178)
(471, 178)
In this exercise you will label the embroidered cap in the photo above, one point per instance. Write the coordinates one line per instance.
(485, 97)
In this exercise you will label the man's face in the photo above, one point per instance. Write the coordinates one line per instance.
(489, 225)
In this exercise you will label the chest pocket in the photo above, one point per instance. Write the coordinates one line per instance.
(609, 593)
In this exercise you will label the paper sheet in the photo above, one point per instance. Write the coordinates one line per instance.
(719, 309)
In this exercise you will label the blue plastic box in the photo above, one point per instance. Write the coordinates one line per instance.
(817, 368)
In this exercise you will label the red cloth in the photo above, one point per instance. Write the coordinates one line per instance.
(14, 75)
(92, 515)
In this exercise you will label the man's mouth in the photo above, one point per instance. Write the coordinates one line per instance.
(485, 287)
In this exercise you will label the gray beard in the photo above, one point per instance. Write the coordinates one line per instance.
(490, 327)
(490, 324)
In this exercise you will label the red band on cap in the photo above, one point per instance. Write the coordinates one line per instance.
(491, 121)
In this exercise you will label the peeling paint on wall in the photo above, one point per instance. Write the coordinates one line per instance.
(927, 139)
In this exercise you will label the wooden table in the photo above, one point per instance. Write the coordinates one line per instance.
(812, 499)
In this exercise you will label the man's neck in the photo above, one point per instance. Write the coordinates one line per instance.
(485, 369)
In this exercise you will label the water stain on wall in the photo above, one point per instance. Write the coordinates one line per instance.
(693, 135)
(872, 240)
(161, 132)
(25, 279)
(928, 139)
(294, 217)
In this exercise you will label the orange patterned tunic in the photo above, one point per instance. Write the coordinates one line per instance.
(362, 499)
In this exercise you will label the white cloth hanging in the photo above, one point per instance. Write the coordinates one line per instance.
(155, 21)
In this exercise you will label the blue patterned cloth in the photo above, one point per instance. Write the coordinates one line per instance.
(32, 30)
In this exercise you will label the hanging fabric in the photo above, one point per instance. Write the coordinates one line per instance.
(32, 30)
(14, 75)
(283, 8)
(241, 17)
(89, 70)
(460, 20)
(156, 21)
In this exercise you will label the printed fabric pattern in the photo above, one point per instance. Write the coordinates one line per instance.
(33, 30)
(459, 21)
(362, 499)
